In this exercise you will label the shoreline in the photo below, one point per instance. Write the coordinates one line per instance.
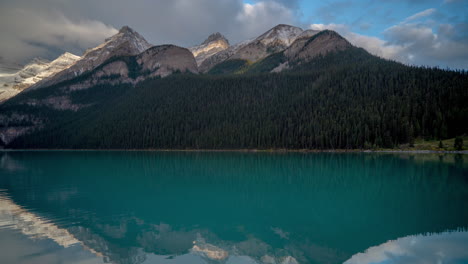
(255, 150)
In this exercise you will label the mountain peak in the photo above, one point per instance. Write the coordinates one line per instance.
(282, 32)
(214, 44)
(215, 37)
(280, 26)
(125, 29)
(68, 55)
(127, 42)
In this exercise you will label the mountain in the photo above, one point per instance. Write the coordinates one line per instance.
(217, 58)
(305, 47)
(39, 107)
(274, 40)
(126, 42)
(303, 50)
(305, 90)
(215, 43)
(157, 61)
(37, 70)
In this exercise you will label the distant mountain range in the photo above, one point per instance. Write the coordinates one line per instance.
(14, 80)
(80, 93)
(214, 51)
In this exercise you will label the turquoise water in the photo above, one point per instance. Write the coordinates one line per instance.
(221, 207)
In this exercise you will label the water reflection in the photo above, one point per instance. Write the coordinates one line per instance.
(13, 216)
(145, 207)
(447, 247)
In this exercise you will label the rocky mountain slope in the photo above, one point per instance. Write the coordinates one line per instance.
(126, 42)
(305, 47)
(37, 70)
(117, 90)
(221, 56)
(274, 40)
(157, 61)
(215, 43)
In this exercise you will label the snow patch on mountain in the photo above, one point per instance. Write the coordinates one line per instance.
(127, 42)
(283, 33)
(274, 40)
(35, 71)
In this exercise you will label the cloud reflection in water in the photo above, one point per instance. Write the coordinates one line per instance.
(447, 247)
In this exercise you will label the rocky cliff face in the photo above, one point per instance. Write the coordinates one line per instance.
(126, 42)
(221, 56)
(214, 44)
(37, 70)
(156, 61)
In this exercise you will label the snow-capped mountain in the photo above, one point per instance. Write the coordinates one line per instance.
(272, 41)
(37, 70)
(157, 61)
(127, 42)
(280, 35)
(313, 44)
(221, 56)
(213, 44)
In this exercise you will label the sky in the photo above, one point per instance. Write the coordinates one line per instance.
(415, 32)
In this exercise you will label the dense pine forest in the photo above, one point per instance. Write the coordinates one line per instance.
(345, 100)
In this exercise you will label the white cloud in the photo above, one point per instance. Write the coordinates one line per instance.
(77, 25)
(255, 19)
(421, 14)
(447, 247)
(37, 35)
(414, 43)
(373, 45)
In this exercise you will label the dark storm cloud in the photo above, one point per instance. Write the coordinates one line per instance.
(29, 26)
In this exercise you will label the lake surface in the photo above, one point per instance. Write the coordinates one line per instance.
(221, 207)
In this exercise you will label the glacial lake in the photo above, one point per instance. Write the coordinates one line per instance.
(232, 207)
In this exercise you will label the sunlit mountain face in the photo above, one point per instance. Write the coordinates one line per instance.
(173, 207)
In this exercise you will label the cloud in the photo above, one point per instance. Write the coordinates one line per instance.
(46, 27)
(448, 247)
(426, 43)
(41, 35)
(421, 14)
(260, 17)
(373, 45)
(422, 45)
(287, 3)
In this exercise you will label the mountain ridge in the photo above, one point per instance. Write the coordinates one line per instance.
(310, 90)
(214, 44)
(126, 42)
(33, 72)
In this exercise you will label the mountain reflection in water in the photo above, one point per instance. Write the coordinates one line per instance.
(153, 207)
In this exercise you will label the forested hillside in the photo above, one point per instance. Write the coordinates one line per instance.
(344, 100)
